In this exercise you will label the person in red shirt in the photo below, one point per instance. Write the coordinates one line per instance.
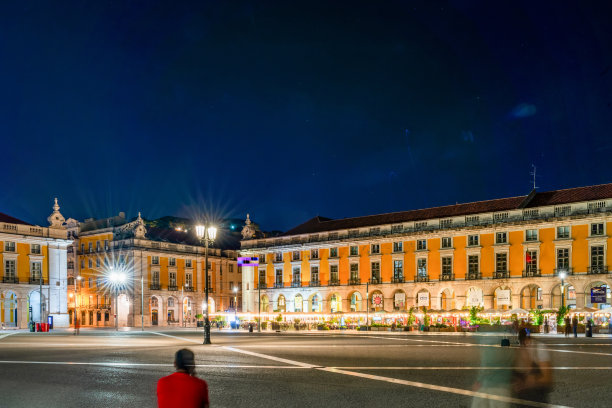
(182, 389)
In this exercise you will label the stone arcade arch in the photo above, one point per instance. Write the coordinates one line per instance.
(377, 301)
(265, 304)
(531, 297)
(499, 300)
(587, 294)
(569, 295)
(399, 298)
(355, 300)
(335, 303)
(156, 306)
(315, 303)
(298, 303)
(447, 299)
(8, 309)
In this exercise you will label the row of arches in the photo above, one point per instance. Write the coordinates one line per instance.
(502, 297)
(10, 304)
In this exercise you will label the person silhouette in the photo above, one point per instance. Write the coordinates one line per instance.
(182, 389)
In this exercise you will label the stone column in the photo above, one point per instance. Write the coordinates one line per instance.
(58, 279)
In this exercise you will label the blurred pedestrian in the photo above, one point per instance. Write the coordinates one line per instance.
(575, 325)
(182, 389)
(532, 373)
(568, 326)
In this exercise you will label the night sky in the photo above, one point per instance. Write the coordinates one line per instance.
(288, 109)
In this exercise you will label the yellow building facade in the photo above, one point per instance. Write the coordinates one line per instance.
(34, 276)
(165, 272)
(499, 254)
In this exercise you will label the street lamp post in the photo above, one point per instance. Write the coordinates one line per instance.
(76, 306)
(208, 235)
(367, 306)
(236, 306)
(259, 307)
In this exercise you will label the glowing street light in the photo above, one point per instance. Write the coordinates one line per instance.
(117, 279)
(208, 235)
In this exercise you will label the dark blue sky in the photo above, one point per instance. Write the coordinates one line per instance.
(293, 109)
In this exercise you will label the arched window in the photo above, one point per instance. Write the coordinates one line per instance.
(299, 302)
(355, 302)
(316, 303)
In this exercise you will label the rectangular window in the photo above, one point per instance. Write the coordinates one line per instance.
(97, 262)
(333, 236)
(396, 229)
(473, 240)
(447, 265)
(187, 263)
(89, 263)
(333, 274)
(35, 249)
(90, 247)
(531, 235)
(295, 255)
(279, 277)
(563, 232)
(563, 211)
(420, 225)
(596, 205)
(354, 250)
(501, 216)
(97, 246)
(172, 278)
(314, 254)
(262, 277)
(422, 267)
(530, 213)
(421, 244)
(155, 260)
(597, 256)
(98, 282)
(398, 270)
(398, 246)
(531, 262)
(375, 249)
(231, 268)
(562, 258)
(447, 223)
(82, 264)
(472, 219)
(447, 242)
(354, 272)
(501, 238)
(333, 252)
(36, 270)
(501, 263)
(82, 247)
(314, 274)
(172, 262)
(9, 246)
(297, 279)
(597, 229)
(473, 264)
(375, 272)
(90, 282)
(189, 280)
(278, 257)
(106, 244)
(375, 231)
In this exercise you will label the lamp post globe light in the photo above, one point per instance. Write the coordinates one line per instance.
(207, 234)
(117, 279)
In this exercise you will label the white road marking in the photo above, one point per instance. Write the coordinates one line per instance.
(179, 338)
(465, 368)
(111, 364)
(416, 384)
(433, 387)
(279, 359)
(5, 335)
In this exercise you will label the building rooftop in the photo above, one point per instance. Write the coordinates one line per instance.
(534, 199)
(12, 220)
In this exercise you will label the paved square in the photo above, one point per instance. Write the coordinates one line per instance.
(120, 369)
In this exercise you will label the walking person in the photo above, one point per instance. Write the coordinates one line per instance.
(182, 389)
(575, 325)
(532, 375)
(568, 326)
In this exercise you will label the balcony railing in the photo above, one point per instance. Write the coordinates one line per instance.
(296, 284)
(174, 287)
(10, 279)
(315, 283)
(566, 271)
(473, 276)
(278, 284)
(597, 270)
(398, 279)
(262, 285)
(501, 275)
(155, 286)
(447, 277)
(532, 273)
(188, 288)
(334, 282)
(375, 280)
(421, 278)
(354, 281)
(36, 280)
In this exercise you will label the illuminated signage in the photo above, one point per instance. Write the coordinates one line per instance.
(248, 261)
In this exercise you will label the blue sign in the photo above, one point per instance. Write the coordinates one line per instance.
(598, 294)
(50, 321)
